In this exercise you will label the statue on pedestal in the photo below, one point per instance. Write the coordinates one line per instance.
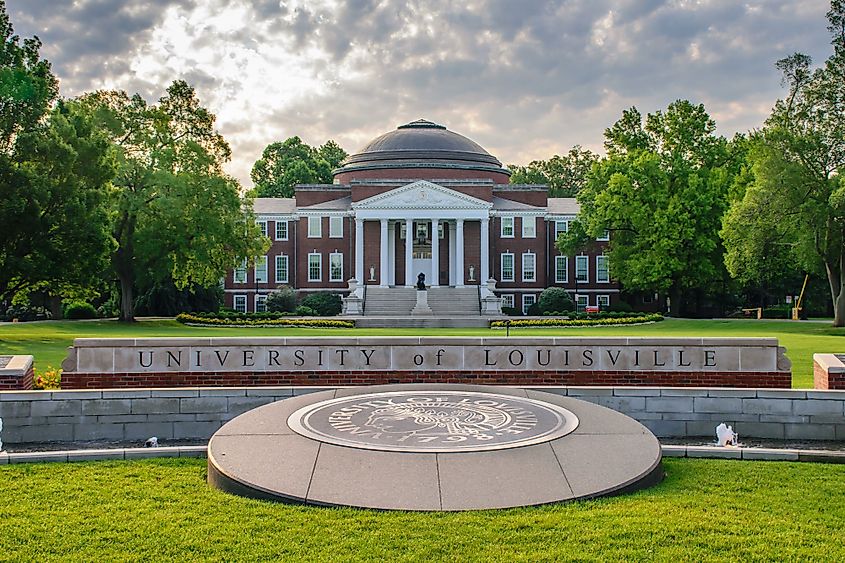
(421, 282)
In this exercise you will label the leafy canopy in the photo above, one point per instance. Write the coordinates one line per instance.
(565, 175)
(291, 162)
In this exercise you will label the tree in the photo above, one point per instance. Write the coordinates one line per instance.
(798, 164)
(661, 192)
(565, 175)
(175, 214)
(291, 162)
(54, 171)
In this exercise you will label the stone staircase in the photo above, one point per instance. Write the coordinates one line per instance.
(389, 301)
(400, 301)
(454, 301)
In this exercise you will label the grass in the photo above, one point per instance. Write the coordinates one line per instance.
(47, 341)
(157, 510)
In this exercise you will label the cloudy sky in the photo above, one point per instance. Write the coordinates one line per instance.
(524, 78)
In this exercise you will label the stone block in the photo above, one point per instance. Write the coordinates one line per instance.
(687, 416)
(781, 394)
(305, 390)
(636, 391)
(728, 405)
(25, 396)
(156, 405)
(674, 451)
(238, 405)
(171, 417)
(773, 430)
(589, 393)
(767, 406)
(810, 431)
(203, 405)
(714, 452)
(46, 433)
(202, 430)
(701, 428)
(145, 430)
(623, 404)
(767, 454)
(107, 407)
(4, 458)
(72, 420)
(208, 416)
(95, 455)
(126, 393)
(819, 407)
(15, 409)
(87, 432)
(37, 457)
(57, 408)
(147, 453)
(683, 392)
(121, 418)
(222, 392)
(193, 451)
(269, 391)
(666, 428)
(669, 404)
(758, 358)
(741, 393)
(784, 418)
(832, 395)
(76, 395)
(179, 393)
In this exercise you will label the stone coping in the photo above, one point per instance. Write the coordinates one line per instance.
(831, 363)
(286, 390)
(18, 366)
(713, 452)
(423, 340)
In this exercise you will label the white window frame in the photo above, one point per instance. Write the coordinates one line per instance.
(579, 307)
(502, 267)
(239, 275)
(283, 235)
(402, 230)
(586, 261)
(260, 303)
(441, 231)
(533, 271)
(558, 229)
(235, 303)
(263, 226)
(319, 256)
(315, 227)
(600, 258)
(565, 277)
(286, 269)
(507, 300)
(333, 255)
(525, 305)
(261, 272)
(605, 237)
(532, 222)
(335, 227)
(509, 223)
(606, 299)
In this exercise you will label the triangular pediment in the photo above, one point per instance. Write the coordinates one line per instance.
(422, 195)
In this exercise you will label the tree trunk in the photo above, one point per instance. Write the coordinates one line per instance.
(675, 301)
(127, 299)
(123, 261)
(837, 289)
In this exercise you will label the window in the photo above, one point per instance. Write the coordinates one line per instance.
(240, 273)
(315, 267)
(507, 300)
(402, 230)
(282, 269)
(529, 227)
(336, 267)
(581, 302)
(603, 301)
(560, 228)
(315, 227)
(281, 230)
(260, 303)
(263, 226)
(261, 269)
(421, 230)
(561, 269)
(528, 299)
(507, 227)
(335, 227)
(529, 267)
(582, 268)
(507, 267)
(440, 230)
(604, 237)
(240, 303)
(602, 275)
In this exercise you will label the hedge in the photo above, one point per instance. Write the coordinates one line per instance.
(577, 322)
(188, 318)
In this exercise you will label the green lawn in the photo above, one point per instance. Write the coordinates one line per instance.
(48, 341)
(157, 510)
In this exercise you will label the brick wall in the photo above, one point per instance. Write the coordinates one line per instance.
(828, 371)
(17, 374)
(83, 380)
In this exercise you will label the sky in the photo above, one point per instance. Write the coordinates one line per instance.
(525, 79)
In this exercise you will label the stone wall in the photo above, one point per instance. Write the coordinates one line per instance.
(829, 371)
(196, 413)
(16, 372)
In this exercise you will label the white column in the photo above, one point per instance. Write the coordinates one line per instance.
(391, 254)
(459, 255)
(409, 253)
(435, 254)
(452, 248)
(382, 279)
(359, 251)
(485, 251)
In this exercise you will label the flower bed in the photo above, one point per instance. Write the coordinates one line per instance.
(550, 322)
(254, 320)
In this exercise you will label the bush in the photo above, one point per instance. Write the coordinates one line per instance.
(324, 303)
(283, 300)
(554, 299)
(79, 310)
(778, 312)
(305, 311)
(510, 311)
(243, 320)
(621, 307)
(592, 321)
(24, 313)
(534, 310)
(50, 379)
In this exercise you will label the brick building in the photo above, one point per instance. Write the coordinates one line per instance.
(421, 200)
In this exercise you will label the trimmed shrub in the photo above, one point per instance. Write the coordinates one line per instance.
(80, 310)
(305, 311)
(593, 321)
(324, 303)
(554, 299)
(283, 300)
(621, 307)
(534, 310)
(510, 311)
(187, 318)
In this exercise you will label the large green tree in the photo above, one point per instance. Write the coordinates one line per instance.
(54, 170)
(797, 198)
(291, 162)
(565, 174)
(661, 192)
(174, 213)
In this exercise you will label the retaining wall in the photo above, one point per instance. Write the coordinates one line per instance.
(182, 413)
(829, 371)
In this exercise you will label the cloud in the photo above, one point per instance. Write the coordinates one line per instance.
(524, 79)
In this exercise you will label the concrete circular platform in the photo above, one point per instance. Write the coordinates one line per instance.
(432, 447)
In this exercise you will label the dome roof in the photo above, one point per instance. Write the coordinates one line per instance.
(422, 144)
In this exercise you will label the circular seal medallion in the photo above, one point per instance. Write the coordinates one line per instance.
(441, 421)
